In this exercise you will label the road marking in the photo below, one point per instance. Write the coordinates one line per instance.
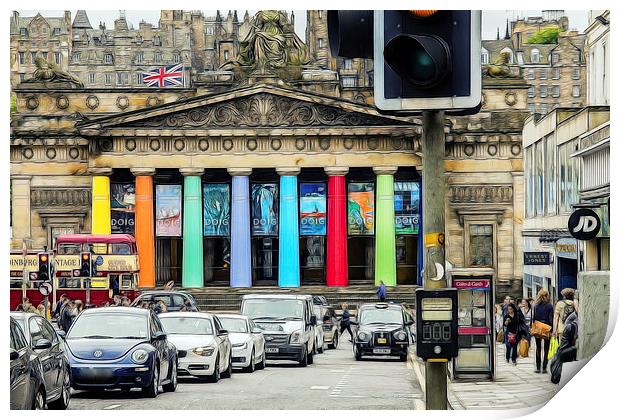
(320, 387)
(111, 407)
(337, 370)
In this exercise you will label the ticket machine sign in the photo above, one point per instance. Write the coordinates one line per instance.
(437, 324)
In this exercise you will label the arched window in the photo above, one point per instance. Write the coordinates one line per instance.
(535, 55)
(510, 54)
(485, 56)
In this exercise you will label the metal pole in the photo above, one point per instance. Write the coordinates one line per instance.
(25, 273)
(433, 220)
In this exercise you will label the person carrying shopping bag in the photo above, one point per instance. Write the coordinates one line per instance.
(514, 324)
(542, 324)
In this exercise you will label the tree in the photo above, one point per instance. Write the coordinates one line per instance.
(546, 36)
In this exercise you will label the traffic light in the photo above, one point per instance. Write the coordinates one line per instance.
(423, 59)
(44, 271)
(86, 264)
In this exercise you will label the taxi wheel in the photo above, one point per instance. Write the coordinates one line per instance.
(358, 355)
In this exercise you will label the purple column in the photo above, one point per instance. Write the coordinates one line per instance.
(240, 243)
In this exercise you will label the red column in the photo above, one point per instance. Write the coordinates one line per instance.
(337, 257)
(145, 226)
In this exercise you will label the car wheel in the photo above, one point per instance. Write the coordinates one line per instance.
(358, 355)
(303, 359)
(311, 356)
(172, 385)
(403, 357)
(39, 400)
(228, 372)
(65, 394)
(216, 371)
(261, 364)
(152, 390)
(250, 367)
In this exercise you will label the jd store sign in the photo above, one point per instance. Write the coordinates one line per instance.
(584, 224)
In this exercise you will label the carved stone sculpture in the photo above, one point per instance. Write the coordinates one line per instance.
(500, 68)
(50, 73)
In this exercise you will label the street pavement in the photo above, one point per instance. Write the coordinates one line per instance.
(335, 381)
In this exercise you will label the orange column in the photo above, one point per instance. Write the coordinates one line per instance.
(145, 226)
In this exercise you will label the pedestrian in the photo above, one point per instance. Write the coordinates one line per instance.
(542, 312)
(563, 309)
(116, 300)
(381, 292)
(59, 305)
(513, 322)
(19, 308)
(41, 310)
(162, 306)
(79, 306)
(567, 351)
(125, 301)
(345, 321)
(526, 310)
(507, 300)
(499, 319)
(67, 316)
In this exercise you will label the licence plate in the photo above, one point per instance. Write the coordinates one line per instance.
(272, 350)
(382, 340)
(381, 351)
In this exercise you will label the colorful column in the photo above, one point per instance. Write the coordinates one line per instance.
(193, 275)
(385, 233)
(240, 240)
(288, 267)
(145, 225)
(101, 223)
(337, 256)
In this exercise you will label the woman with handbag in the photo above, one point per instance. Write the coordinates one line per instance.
(512, 324)
(542, 323)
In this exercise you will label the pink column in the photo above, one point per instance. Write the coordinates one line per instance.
(337, 257)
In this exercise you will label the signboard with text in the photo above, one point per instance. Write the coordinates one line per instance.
(168, 210)
(312, 208)
(536, 258)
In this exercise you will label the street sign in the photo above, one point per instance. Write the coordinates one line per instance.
(99, 260)
(536, 258)
(45, 288)
(584, 224)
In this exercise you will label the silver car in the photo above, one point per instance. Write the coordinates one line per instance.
(202, 343)
(248, 342)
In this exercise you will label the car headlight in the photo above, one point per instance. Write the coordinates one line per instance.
(363, 336)
(401, 336)
(240, 346)
(203, 351)
(140, 356)
(296, 337)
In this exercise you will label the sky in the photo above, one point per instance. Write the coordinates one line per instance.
(491, 20)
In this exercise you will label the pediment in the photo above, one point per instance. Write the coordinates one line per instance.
(255, 107)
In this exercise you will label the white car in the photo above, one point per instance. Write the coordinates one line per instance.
(319, 339)
(248, 342)
(202, 343)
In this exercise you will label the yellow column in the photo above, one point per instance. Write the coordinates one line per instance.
(100, 213)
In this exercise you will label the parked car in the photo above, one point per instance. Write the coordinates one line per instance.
(319, 300)
(319, 339)
(331, 327)
(382, 329)
(172, 299)
(123, 348)
(248, 342)
(27, 384)
(288, 323)
(49, 347)
(202, 343)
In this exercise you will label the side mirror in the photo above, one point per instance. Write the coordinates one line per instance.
(313, 320)
(257, 331)
(223, 332)
(61, 333)
(42, 344)
(160, 336)
(14, 354)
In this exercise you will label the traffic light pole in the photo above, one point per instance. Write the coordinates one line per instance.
(433, 220)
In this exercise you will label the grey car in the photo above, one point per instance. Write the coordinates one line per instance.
(27, 386)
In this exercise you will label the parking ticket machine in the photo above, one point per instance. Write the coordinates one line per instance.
(437, 327)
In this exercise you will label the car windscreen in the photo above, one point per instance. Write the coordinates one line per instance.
(110, 325)
(187, 325)
(381, 316)
(274, 308)
(234, 325)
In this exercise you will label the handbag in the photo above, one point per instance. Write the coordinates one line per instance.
(524, 348)
(500, 336)
(553, 348)
(512, 338)
(541, 330)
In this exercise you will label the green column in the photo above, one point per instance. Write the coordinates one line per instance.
(192, 273)
(385, 235)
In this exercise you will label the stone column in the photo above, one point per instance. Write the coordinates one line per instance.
(288, 267)
(101, 214)
(337, 256)
(20, 211)
(240, 239)
(192, 271)
(385, 233)
(145, 225)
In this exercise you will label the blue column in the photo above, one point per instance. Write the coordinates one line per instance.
(240, 242)
(288, 267)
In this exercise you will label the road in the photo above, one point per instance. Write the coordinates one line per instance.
(335, 381)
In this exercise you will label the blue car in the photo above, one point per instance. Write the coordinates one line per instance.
(121, 347)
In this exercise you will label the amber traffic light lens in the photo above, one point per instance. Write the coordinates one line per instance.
(85, 257)
(44, 258)
(423, 13)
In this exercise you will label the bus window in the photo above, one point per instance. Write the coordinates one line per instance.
(68, 249)
(120, 249)
(101, 249)
(69, 283)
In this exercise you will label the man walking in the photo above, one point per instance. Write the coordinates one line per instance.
(381, 292)
(345, 322)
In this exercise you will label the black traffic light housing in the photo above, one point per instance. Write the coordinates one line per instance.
(350, 33)
(44, 272)
(85, 264)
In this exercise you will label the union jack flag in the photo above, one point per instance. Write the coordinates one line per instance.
(164, 76)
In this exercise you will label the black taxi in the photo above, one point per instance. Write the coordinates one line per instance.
(382, 329)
